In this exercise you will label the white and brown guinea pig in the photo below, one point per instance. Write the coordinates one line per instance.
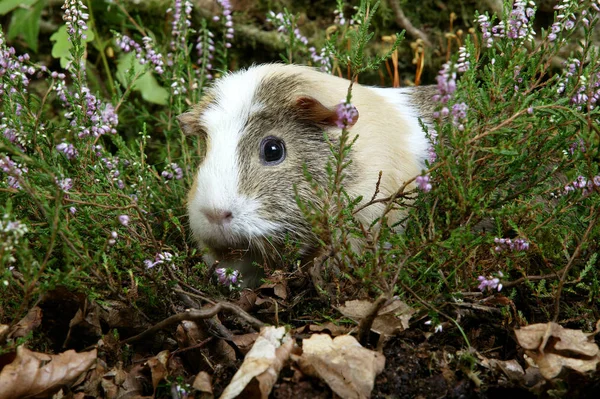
(261, 126)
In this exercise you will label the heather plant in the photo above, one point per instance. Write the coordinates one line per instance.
(510, 200)
(82, 204)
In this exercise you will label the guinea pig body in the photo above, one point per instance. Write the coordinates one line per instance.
(262, 125)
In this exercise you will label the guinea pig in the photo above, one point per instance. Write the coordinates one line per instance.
(261, 126)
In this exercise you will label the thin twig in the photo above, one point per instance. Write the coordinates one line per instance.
(594, 219)
(197, 314)
(364, 327)
(405, 23)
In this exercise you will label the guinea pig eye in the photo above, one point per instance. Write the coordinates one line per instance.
(272, 150)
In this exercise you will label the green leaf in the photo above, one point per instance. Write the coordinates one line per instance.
(146, 84)
(7, 6)
(26, 22)
(62, 45)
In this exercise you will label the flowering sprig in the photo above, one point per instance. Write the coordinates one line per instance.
(423, 183)
(69, 150)
(143, 54)
(13, 170)
(346, 114)
(566, 18)
(180, 24)
(15, 73)
(205, 48)
(228, 277)
(11, 231)
(285, 23)
(490, 283)
(228, 24)
(172, 171)
(584, 184)
(159, 259)
(506, 244)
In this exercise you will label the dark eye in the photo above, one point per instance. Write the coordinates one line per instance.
(272, 150)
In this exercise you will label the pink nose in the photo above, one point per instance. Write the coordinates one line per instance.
(218, 216)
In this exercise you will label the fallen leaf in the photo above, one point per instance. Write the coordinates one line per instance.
(123, 316)
(347, 367)
(244, 342)
(118, 383)
(328, 326)
(261, 367)
(553, 348)
(158, 368)
(33, 374)
(3, 332)
(203, 383)
(32, 320)
(391, 318)
(276, 286)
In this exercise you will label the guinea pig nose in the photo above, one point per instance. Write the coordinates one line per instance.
(217, 216)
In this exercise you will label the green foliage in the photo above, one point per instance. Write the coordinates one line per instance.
(516, 138)
(145, 82)
(26, 22)
(62, 45)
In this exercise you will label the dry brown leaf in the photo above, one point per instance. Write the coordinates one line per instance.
(244, 342)
(261, 367)
(3, 332)
(118, 314)
(158, 367)
(33, 374)
(118, 383)
(88, 318)
(391, 319)
(347, 367)
(553, 348)
(32, 320)
(247, 299)
(203, 383)
(335, 330)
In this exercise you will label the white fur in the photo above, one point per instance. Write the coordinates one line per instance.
(400, 98)
(217, 179)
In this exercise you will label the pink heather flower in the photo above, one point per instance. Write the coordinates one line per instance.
(13, 170)
(124, 220)
(75, 19)
(227, 277)
(172, 171)
(72, 210)
(113, 238)
(346, 114)
(159, 258)
(423, 183)
(226, 5)
(285, 24)
(68, 149)
(446, 83)
(484, 23)
(65, 184)
(322, 60)
(506, 244)
(490, 283)
(463, 63)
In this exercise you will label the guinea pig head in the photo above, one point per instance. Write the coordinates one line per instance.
(261, 131)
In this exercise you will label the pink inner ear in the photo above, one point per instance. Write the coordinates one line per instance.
(315, 111)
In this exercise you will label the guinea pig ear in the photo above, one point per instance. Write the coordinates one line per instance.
(313, 110)
(189, 124)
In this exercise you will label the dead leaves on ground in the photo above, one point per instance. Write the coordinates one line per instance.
(347, 367)
(205, 351)
(553, 348)
(28, 374)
